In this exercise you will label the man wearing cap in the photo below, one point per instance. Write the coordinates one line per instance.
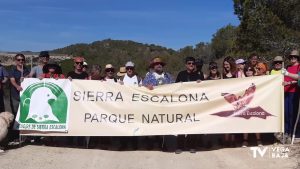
(78, 72)
(277, 65)
(157, 76)
(37, 71)
(110, 73)
(291, 96)
(85, 67)
(130, 78)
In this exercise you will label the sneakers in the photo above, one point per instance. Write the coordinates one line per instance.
(259, 143)
(178, 151)
(192, 150)
(245, 144)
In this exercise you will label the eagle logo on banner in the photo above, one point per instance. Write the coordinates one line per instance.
(240, 105)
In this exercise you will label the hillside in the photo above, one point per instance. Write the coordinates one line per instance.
(118, 52)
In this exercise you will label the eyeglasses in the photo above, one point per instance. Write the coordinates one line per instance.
(21, 60)
(79, 63)
(129, 68)
(190, 63)
(109, 70)
(158, 63)
(277, 62)
(292, 57)
(213, 67)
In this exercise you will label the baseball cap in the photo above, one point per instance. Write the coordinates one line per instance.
(129, 64)
(240, 61)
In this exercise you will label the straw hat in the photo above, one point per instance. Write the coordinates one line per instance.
(157, 60)
(295, 53)
(122, 71)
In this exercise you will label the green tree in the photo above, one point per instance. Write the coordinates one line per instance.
(223, 41)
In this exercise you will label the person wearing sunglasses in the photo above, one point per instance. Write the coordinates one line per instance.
(291, 96)
(214, 74)
(52, 70)
(240, 64)
(78, 72)
(16, 76)
(110, 73)
(37, 71)
(188, 75)
(277, 65)
(130, 77)
(157, 76)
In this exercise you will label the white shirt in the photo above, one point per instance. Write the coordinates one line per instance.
(131, 80)
(110, 80)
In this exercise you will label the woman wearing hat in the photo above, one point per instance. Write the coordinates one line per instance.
(214, 74)
(291, 96)
(277, 65)
(240, 63)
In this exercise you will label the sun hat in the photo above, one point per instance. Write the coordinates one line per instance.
(122, 71)
(278, 59)
(157, 60)
(240, 61)
(109, 66)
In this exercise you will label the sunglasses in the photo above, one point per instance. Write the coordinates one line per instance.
(79, 63)
(292, 57)
(158, 63)
(277, 62)
(190, 63)
(129, 68)
(213, 67)
(21, 60)
(109, 70)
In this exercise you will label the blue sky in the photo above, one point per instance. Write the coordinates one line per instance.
(49, 24)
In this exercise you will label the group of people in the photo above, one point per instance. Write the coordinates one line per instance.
(157, 75)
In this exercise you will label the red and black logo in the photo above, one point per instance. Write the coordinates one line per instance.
(240, 105)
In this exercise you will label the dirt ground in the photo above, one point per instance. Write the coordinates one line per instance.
(44, 157)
